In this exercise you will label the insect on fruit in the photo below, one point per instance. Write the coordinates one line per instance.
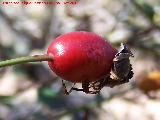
(86, 58)
(121, 70)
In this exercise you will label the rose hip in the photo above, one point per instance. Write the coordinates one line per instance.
(81, 56)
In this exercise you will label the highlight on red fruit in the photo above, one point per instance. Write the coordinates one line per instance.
(81, 56)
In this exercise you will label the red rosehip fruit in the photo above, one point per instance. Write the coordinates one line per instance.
(81, 56)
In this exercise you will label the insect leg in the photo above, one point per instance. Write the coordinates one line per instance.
(65, 89)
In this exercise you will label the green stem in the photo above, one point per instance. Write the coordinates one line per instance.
(21, 60)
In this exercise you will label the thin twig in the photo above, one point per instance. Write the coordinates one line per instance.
(21, 60)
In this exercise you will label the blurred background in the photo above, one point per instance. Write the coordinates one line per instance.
(33, 92)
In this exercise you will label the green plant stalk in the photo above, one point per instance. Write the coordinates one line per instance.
(21, 60)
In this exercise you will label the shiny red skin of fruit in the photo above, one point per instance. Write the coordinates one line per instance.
(81, 56)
